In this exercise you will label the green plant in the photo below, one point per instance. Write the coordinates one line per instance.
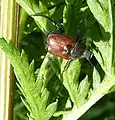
(67, 96)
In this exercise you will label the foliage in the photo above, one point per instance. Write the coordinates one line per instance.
(49, 94)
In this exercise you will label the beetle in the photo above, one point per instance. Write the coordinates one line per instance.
(63, 46)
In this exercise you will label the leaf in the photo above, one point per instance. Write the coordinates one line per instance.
(51, 109)
(96, 79)
(55, 64)
(36, 95)
(102, 11)
(103, 44)
(113, 61)
(45, 72)
(71, 80)
(71, 10)
(44, 99)
(83, 90)
(32, 9)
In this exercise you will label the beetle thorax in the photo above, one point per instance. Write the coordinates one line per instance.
(77, 51)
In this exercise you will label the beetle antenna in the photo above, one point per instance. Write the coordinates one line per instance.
(53, 22)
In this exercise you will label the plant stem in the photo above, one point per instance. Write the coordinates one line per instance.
(8, 30)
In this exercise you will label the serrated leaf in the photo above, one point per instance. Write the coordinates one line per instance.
(71, 84)
(70, 19)
(96, 79)
(24, 56)
(32, 9)
(51, 109)
(68, 103)
(71, 80)
(26, 77)
(101, 11)
(44, 99)
(31, 67)
(83, 90)
(45, 72)
(29, 6)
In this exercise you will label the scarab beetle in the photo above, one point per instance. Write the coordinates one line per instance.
(65, 47)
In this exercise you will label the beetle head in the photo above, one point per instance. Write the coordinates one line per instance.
(78, 50)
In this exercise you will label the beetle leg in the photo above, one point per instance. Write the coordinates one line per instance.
(88, 55)
(67, 65)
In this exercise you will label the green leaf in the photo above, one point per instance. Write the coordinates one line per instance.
(102, 11)
(113, 61)
(83, 90)
(51, 109)
(71, 80)
(36, 95)
(45, 72)
(44, 98)
(32, 9)
(71, 10)
(96, 79)
(55, 64)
